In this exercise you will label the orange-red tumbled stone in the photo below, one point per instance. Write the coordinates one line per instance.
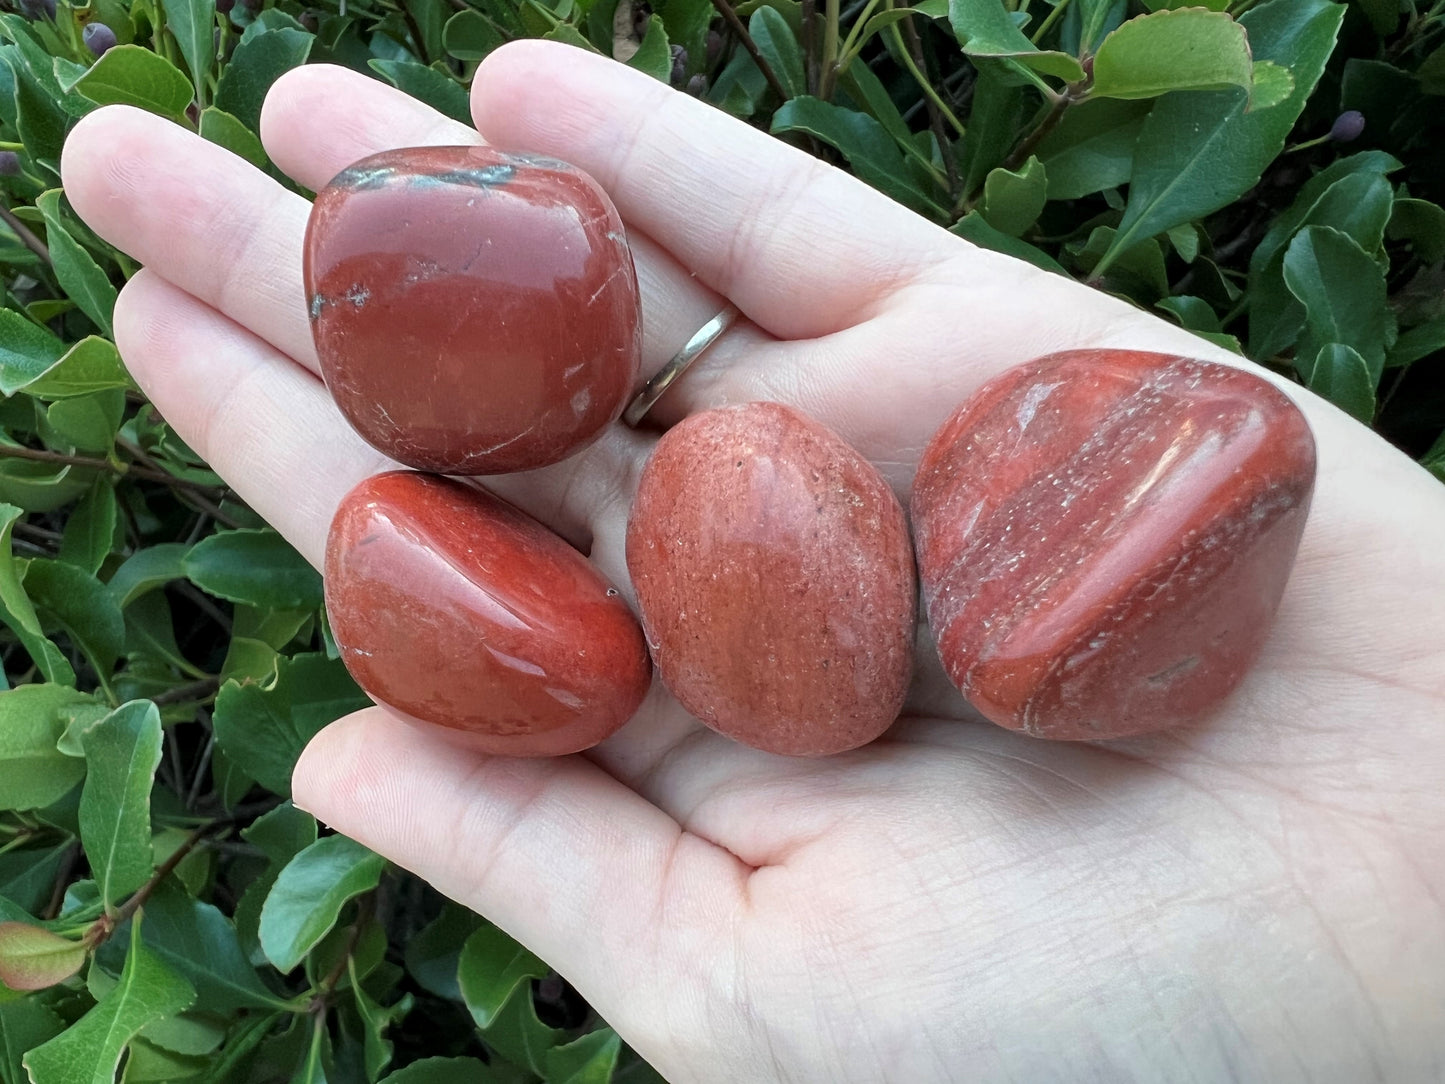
(1104, 536)
(775, 580)
(452, 607)
(474, 312)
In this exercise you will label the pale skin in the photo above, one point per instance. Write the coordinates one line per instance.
(1259, 898)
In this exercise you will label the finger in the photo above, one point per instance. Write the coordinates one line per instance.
(803, 249)
(198, 216)
(271, 430)
(319, 119)
(566, 859)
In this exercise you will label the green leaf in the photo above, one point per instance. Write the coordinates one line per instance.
(89, 1052)
(17, 611)
(1193, 313)
(1093, 147)
(440, 91)
(133, 75)
(201, 944)
(1170, 5)
(27, 351)
(258, 567)
(307, 897)
(33, 771)
(1343, 293)
(91, 365)
(493, 967)
(376, 1021)
(264, 729)
(1188, 49)
(1200, 150)
(28, 875)
(90, 530)
(1384, 15)
(1417, 343)
(520, 1037)
(1422, 223)
(591, 1059)
(779, 46)
(468, 35)
(147, 569)
(256, 64)
(75, 269)
(984, 29)
(24, 1025)
(1273, 83)
(973, 228)
(1013, 201)
(224, 130)
(84, 608)
(85, 423)
(193, 22)
(122, 752)
(1343, 377)
(869, 148)
(654, 55)
(434, 954)
(441, 1071)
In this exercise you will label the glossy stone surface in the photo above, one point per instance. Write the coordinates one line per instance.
(775, 579)
(475, 312)
(452, 607)
(1103, 538)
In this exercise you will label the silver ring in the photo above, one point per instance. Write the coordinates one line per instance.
(652, 391)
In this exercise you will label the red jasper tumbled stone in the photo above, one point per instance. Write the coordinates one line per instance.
(1104, 536)
(474, 312)
(452, 607)
(775, 579)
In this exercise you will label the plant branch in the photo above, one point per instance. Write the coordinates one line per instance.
(730, 16)
(935, 116)
(830, 48)
(26, 235)
(195, 690)
(45, 455)
(810, 54)
(1057, 108)
(921, 79)
(1049, 21)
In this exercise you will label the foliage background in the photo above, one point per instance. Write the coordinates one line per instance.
(165, 912)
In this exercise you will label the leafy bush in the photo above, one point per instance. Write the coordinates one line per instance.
(1267, 176)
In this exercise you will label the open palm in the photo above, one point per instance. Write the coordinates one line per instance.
(1259, 898)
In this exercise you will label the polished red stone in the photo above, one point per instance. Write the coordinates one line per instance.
(775, 579)
(1103, 538)
(452, 607)
(474, 312)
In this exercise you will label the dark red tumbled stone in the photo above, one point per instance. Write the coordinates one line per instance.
(775, 579)
(475, 312)
(452, 607)
(1104, 536)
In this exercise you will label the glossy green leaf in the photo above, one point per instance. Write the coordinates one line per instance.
(79, 275)
(972, 227)
(984, 29)
(436, 89)
(258, 567)
(201, 944)
(90, 530)
(434, 954)
(1384, 15)
(307, 897)
(263, 729)
(1342, 376)
(1093, 147)
(1187, 49)
(224, 130)
(492, 969)
(257, 63)
(999, 110)
(27, 875)
(592, 1059)
(33, 771)
(1417, 343)
(91, 365)
(133, 75)
(1422, 223)
(24, 1025)
(1170, 5)
(869, 148)
(17, 611)
(147, 569)
(122, 752)
(33, 958)
(376, 1021)
(1343, 293)
(1013, 200)
(85, 423)
(780, 48)
(442, 1071)
(1193, 313)
(520, 1036)
(193, 22)
(469, 35)
(654, 55)
(82, 606)
(1200, 150)
(27, 351)
(89, 1052)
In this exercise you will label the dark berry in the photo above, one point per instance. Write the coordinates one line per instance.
(679, 65)
(1348, 126)
(9, 164)
(714, 47)
(309, 21)
(225, 6)
(697, 85)
(98, 38)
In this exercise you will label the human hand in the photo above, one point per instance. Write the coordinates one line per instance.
(1257, 898)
